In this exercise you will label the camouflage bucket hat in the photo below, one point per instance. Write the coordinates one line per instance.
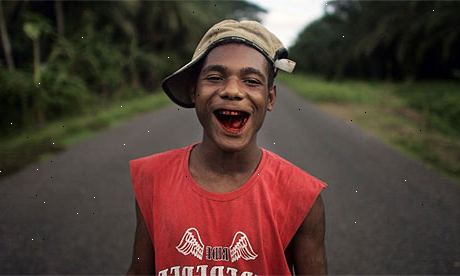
(178, 86)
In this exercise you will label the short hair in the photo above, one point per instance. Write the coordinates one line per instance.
(271, 74)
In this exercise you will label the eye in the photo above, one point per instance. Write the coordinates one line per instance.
(213, 78)
(252, 82)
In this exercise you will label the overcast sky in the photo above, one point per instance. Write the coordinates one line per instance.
(287, 18)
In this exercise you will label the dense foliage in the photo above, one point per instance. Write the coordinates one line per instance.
(390, 40)
(62, 57)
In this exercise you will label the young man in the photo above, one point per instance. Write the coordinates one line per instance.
(225, 206)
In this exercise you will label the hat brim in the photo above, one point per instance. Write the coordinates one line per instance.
(177, 85)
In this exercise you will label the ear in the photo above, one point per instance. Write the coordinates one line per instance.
(192, 94)
(271, 98)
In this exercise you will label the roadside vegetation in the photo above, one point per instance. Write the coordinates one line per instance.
(34, 143)
(419, 119)
(67, 67)
(393, 67)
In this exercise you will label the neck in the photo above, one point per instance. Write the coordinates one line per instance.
(223, 162)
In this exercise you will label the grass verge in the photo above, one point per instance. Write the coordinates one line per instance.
(32, 144)
(406, 116)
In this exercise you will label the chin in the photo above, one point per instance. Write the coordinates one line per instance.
(232, 144)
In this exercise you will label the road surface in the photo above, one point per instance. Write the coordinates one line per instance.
(74, 212)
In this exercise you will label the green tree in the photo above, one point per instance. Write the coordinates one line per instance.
(34, 27)
(59, 11)
(99, 53)
(6, 40)
(383, 39)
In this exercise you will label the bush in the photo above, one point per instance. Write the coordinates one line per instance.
(64, 94)
(93, 57)
(23, 104)
(16, 91)
(439, 102)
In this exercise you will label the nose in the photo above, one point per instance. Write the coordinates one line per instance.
(231, 90)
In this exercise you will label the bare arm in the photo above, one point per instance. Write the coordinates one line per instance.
(143, 261)
(308, 251)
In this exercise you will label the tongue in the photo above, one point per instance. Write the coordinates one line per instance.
(236, 123)
(233, 123)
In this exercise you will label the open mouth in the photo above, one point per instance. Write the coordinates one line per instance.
(232, 120)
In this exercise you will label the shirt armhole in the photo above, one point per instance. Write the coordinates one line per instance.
(303, 198)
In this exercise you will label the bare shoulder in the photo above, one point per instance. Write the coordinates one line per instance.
(143, 260)
(307, 247)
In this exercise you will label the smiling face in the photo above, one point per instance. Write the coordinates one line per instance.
(232, 96)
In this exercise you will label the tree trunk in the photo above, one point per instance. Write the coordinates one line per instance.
(39, 112)
(37, 73)
(133, 49)
(6, 40)
(59, 17)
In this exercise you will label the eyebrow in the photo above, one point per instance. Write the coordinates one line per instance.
(224, 69)
(252, 70)
(218, 68)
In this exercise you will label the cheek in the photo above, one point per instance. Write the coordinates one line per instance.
(201, 117)
(202, 113)
(260, 101)
(196, 92)
(196, 96)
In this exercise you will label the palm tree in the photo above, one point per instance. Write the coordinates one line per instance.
(59, 17)
(34, 27)
(6, 40)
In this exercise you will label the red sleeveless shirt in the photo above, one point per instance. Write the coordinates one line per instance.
(243, 232)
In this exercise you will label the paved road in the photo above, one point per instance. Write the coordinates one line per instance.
(74, 213)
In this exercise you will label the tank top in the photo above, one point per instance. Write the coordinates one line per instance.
(242, 232)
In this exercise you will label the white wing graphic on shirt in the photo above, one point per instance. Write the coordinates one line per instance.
(241, 248)
(191, 244)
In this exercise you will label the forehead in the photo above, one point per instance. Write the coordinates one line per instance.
(236, 56)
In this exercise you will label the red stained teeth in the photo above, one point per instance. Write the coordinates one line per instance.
(231, 112)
